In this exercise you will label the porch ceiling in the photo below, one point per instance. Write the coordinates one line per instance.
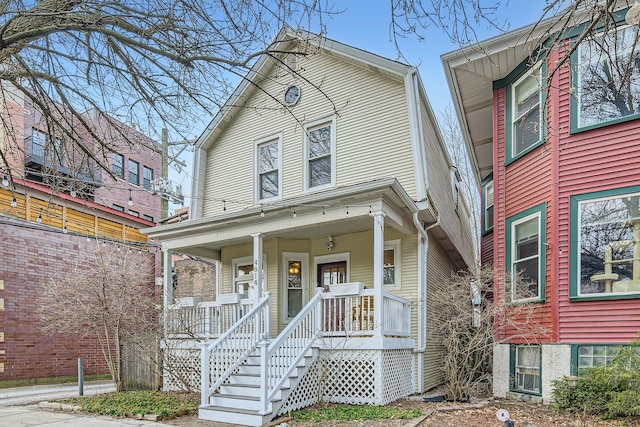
(340, 211)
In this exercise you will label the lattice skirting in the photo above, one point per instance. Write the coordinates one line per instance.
(181, 369)
(356, 377)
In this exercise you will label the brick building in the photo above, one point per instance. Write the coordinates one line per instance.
(55, 204)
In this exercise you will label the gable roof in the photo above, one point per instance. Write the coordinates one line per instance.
(472, 70)
(284, 40)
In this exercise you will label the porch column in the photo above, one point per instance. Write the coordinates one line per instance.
(257, 265)
(378, 266)
(167, 278)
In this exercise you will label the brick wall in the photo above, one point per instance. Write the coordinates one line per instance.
(195, 278)
(31, 254)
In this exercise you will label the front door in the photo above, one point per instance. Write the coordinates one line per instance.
(334, 309)
(332, 273)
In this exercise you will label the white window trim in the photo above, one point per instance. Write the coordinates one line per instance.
(242, 261)
(303, 257)
(485, 225)
(529, 368)
(256, 166)
(513, 256)
(309, 126)
(325, 259)
(535, 71)
(395, 245)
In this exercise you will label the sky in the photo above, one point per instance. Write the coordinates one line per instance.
(365, 24)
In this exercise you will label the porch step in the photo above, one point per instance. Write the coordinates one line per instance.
(233, 415)
(238, 401)
(234, 401)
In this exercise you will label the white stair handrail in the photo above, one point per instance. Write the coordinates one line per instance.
(281, 357)
(233, 347)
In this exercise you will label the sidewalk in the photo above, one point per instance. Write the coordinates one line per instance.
(19, 407)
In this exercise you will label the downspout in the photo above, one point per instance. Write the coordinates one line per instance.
(422, 191)
(423, 250)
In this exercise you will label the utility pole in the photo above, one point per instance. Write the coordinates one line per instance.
(165, 170)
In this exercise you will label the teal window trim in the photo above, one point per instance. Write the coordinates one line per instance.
(574, 229)
(512, 369)
(539, 210)
(486, 228)
(574, 106)
(511, 156)
(575, 352)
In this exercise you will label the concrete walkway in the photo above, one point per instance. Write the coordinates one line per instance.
(19, 407)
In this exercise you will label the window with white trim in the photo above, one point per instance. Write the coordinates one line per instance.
(117, 165)
(527, 368)
(525, 256)
(243, 275)
(147, 177)
(268, 176)
(320, 155)
(488, 207)
(391, 264)
(295, 283)
(526, 115)
(134, 172)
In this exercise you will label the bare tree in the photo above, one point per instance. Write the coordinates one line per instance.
(469, 320)
(157, 63)
(109, 295)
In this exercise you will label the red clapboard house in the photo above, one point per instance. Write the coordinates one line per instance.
(550, 119)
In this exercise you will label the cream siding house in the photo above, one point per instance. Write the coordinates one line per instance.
(326, 168)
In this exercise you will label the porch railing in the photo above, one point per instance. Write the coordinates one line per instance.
(354, 315)
(281, 357)
(204, 320)
(225, 354)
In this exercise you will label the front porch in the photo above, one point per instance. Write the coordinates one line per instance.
(338, 349)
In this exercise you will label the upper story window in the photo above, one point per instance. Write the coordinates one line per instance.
(147, 177)
(320, 155)
(487, 207)
(526, 112)
(134, 172)
(606, 78)
(268, 169)
(117, 165)
(147, 217)
(118, 207)
(525, 257)
(606, 226)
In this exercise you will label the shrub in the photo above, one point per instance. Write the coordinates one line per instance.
(609, 391)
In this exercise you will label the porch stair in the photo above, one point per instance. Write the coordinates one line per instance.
(238, 400)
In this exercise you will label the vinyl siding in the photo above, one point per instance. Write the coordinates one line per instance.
(372, 133)
(439, 268)
(601, 159)
(566, 165)
(522, 184)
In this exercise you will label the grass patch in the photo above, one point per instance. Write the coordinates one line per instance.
(133, 403)
(354, 413)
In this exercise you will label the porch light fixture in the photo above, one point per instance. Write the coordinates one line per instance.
(5, 180)
(14, 202)
(39, 219)
(130, 201)
(64, 228)
(572, 382)
(261, 212)
(330, 243)
(633, 14)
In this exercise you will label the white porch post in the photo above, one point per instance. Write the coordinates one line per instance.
(167, 278)
(257, 266)
(378, 265)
